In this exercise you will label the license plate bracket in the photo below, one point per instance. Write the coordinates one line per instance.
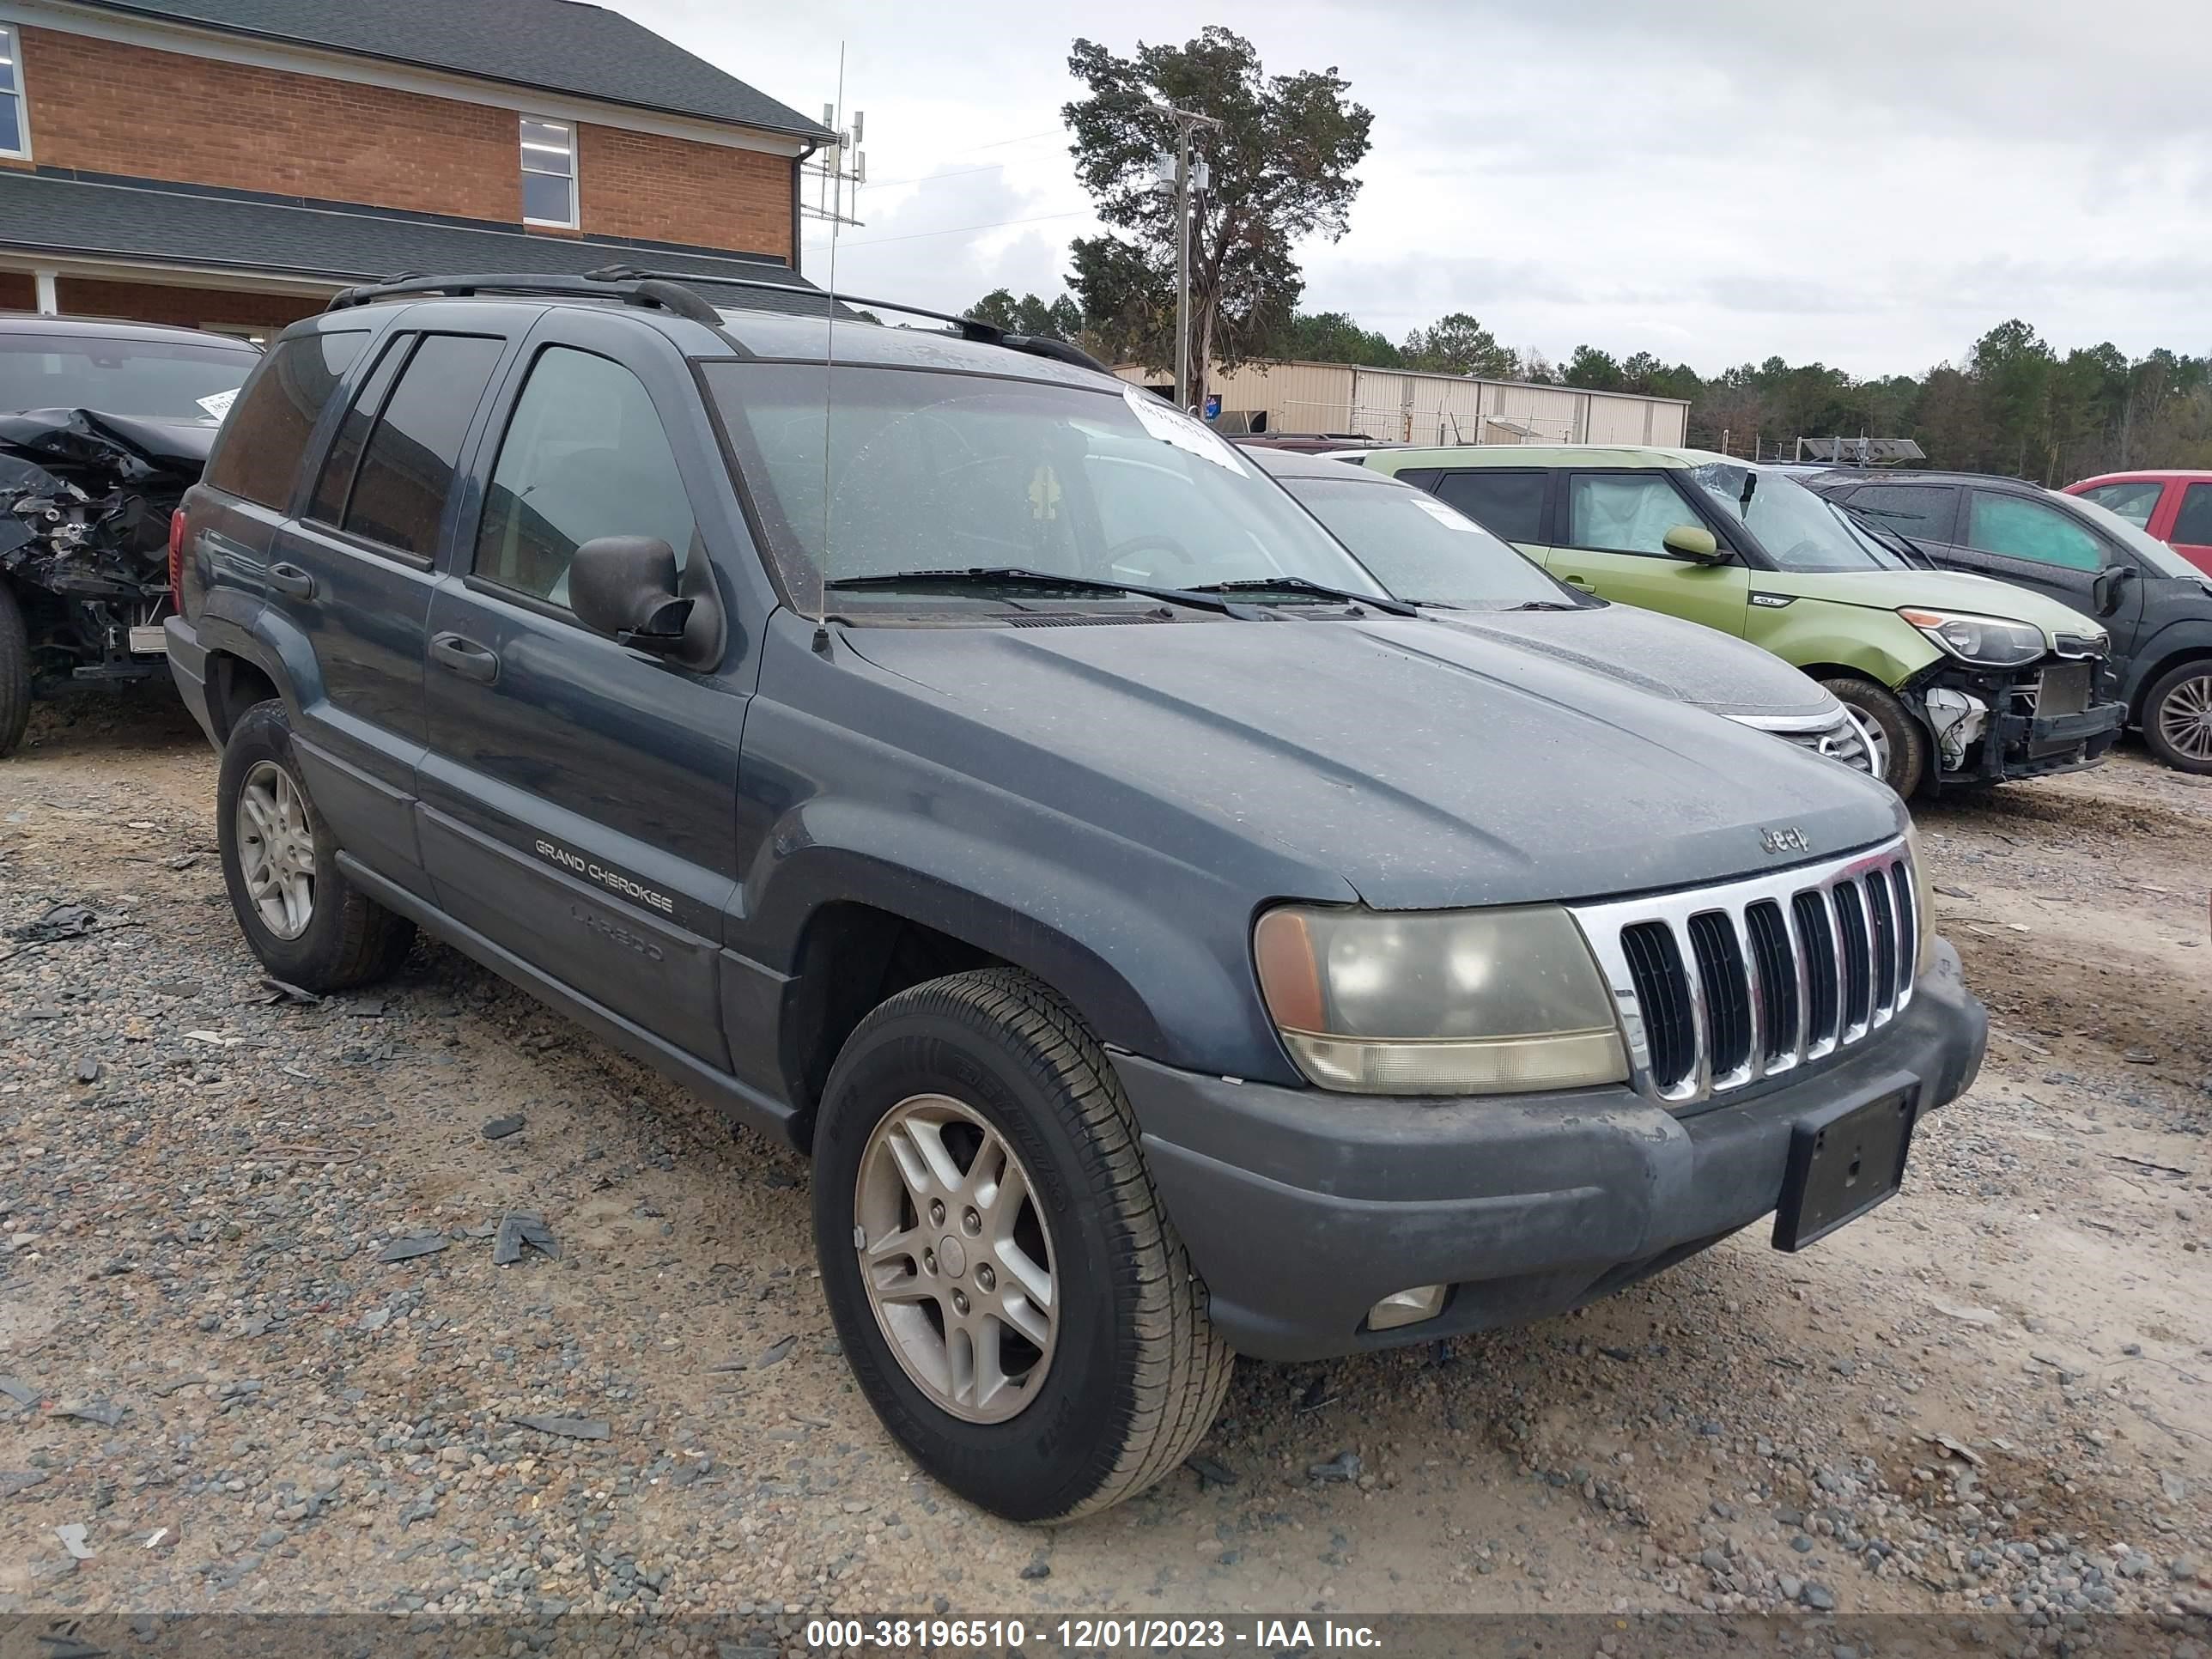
(1843, 1162)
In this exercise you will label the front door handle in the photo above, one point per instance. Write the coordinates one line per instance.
(1577, 582)
(465, 657)
(290, 578)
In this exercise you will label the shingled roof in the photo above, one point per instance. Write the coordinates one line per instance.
(554, 45)
(331, 242)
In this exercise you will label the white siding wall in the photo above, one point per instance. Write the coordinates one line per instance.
(1438, 409)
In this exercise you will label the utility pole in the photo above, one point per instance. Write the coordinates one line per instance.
(1188, 121)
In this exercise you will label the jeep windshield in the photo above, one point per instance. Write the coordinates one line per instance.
(858, 472)
(152, 379)
(1799, 530)
(1423, 550)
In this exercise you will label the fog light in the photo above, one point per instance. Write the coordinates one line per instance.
(1406, 1308)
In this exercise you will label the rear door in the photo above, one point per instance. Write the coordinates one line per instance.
(352, 576)
(579, 798)
(1509, 503)
(1925, 513)
(1611, 541)
(2191, 533)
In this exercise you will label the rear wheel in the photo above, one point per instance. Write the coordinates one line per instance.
(2176, 717)
(1013, 1299)
(309, 925)
(14, 672)
(1899, 742)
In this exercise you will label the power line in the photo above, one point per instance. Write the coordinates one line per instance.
(957, 230)
(976, 149)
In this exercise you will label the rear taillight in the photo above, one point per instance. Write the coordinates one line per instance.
(177, 560)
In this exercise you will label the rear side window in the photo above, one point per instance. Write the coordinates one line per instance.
(328, 503)
(585, 456)
(1510, 505)
(2135, 502)
(2193, 527)
(267, 430)
(1922, 510)
(2023, 529)
(407, 468)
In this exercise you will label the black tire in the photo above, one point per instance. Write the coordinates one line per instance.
(1136, 1374)
(2157, 716)
(1907, 739)
(348, 939)
(14, 672)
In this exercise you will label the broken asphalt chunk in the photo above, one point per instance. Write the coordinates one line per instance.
(518, 1230)
(499, 1128)
(574, 1428)
(406, 1250)
(19, 1391)
(774, 1353)
(105, 1412)
(1209, 1472)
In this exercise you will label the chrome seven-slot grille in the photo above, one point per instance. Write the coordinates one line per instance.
(1719, 987)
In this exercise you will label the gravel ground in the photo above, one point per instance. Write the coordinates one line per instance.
(226, 1394)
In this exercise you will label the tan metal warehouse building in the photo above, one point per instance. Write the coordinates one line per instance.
(1407, 406)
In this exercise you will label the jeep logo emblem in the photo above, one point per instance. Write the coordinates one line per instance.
(1791, 839)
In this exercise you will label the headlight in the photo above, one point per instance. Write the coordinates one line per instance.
(1924, 901)
(1438, 1002)
(1988, 641)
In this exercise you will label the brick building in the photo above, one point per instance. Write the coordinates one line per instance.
(231, 163)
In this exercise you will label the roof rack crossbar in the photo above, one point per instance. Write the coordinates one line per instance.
(658, 291)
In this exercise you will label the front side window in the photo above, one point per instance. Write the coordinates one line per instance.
(407, 467)
(585, 456)
(2022, 529)
(265, 434)
(1798, 530)
(2135, 502)
(2192, 526)
(15, 119)
(1624, 512)
(862, 472)
(1508, 504)
(549, 172)
(1422, 549)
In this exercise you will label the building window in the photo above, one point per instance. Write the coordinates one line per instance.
(14, 114)
(549, 172)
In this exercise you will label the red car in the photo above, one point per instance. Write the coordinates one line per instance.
(2174, 507)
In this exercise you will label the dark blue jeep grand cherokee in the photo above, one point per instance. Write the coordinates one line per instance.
(972, 770)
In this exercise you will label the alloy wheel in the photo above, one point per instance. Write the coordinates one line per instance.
(277, 850)
(957, 1259)
(2185, 718)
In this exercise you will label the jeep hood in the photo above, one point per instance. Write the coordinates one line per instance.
(1662, 655)
(1938, 590)
(1419, 766)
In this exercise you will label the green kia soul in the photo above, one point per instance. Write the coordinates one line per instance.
(1965, 680)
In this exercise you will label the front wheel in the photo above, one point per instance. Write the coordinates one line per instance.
(1900, 744)
(2177, 718)
(1013, 1299)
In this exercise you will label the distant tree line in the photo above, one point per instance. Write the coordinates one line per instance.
(2014, 405)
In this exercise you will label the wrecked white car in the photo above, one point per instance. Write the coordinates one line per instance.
(103, 427)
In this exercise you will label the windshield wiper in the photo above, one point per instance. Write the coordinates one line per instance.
(1546, 604)
(1014, 576)
(1300, 585)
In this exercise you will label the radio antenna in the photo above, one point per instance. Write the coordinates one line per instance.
(829, 365)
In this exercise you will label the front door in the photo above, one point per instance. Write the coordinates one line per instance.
(2032, 544)
(578, 798)
(1612, 542)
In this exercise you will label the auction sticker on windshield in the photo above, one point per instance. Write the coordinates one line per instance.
(217, 403)
(1173, 427)
(1443, 515)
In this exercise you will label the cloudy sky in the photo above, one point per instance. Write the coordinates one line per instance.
(1870, 185)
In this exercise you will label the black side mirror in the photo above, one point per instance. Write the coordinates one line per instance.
(2109, 586)
(628, 587)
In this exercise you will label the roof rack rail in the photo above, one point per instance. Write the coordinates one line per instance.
(969, 328)
(642, 290)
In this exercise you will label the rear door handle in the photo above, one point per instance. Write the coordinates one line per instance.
(465, 657)
(290, 578)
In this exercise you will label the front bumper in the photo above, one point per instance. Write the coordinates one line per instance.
(2015, 739)
(1303, 1209)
